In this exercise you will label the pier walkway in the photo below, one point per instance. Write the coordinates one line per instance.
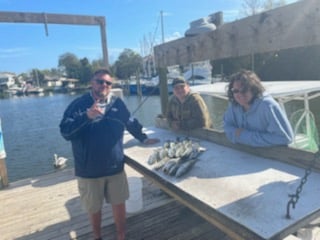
(48, 207)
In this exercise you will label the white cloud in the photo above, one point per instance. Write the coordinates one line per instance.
(13, 52)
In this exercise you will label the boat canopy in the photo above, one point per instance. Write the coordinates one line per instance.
(278, 89)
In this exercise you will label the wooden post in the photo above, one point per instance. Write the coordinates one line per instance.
(103, 35)
(138, 83)
(163, 89)
(3, 169)
(3, 174)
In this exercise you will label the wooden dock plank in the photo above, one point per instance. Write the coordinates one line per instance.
(172, 221)
(48, 207)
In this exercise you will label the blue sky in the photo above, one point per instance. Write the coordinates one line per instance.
(26, 46)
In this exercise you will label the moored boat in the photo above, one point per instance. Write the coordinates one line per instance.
(34, 90)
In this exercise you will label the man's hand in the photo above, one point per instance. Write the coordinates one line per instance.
(150, 141)
(94, 111)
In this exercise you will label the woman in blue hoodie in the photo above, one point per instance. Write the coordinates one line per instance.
(253, 117)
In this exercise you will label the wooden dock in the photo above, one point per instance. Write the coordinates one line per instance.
(48, 207)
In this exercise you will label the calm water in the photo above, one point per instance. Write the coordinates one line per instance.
(31, 133)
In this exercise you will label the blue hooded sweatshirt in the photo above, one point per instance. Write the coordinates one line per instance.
(264, 124)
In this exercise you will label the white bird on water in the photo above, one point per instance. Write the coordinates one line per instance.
(59, 162)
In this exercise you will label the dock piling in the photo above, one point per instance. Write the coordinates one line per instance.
(3, 168)
(3, 174)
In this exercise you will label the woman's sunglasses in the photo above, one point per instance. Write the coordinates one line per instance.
(241, 91)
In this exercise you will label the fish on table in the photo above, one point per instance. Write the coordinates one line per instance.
(176, 158)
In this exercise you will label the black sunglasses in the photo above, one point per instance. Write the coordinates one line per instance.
(101, 82)
(242, 90)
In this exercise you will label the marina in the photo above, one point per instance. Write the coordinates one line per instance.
(231, 192)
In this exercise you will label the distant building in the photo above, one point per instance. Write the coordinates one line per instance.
(69, 83)
(53, 81)
(7, 80)
(60, 82)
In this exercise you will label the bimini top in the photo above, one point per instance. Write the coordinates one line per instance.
(285, 90)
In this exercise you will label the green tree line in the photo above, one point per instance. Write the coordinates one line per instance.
(129, 63)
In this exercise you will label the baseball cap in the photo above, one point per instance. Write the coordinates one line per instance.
(178, 81)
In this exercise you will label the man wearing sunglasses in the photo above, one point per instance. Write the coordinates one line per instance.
(95, 124)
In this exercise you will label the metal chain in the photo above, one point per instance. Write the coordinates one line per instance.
(294, 198)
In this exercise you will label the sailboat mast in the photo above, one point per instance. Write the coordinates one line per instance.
(37, 78)
(162, 30)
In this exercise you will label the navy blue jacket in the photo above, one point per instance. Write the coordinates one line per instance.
(97, 145)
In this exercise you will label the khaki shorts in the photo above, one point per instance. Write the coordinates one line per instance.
(114, 189)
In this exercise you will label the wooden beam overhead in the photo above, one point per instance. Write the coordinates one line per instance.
(51, 18)
(24, 17)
